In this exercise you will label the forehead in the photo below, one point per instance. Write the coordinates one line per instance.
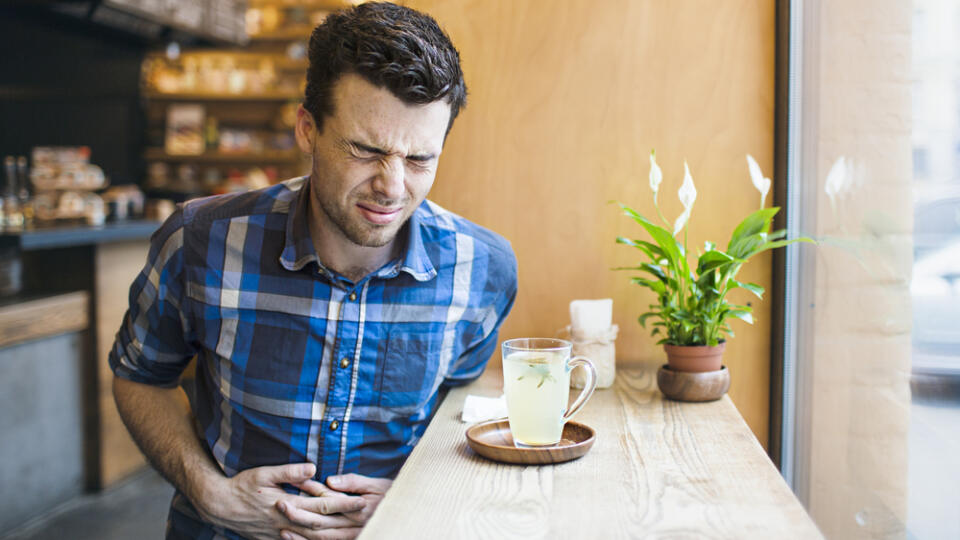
(367, 113)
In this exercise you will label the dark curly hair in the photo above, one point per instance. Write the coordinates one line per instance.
(391, 46)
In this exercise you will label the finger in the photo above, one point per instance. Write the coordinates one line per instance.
(312, 520)
(290, 535)
(357, 483)
(285, 474)
(325, 534)
(328, 505)
(359, 517)
(316, 489)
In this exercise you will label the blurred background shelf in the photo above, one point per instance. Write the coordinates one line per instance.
(284, 34)
(228, 158)
(328, 5)
(212, 96)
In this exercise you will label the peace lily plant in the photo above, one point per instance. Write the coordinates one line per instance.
(692, 308)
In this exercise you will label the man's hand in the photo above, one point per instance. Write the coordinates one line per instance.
(254, 504)
(349, 486)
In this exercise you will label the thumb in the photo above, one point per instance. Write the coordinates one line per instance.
(286, 474)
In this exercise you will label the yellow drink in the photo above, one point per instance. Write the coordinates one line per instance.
(537, 386)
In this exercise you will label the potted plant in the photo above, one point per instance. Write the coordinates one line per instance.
(692, 310)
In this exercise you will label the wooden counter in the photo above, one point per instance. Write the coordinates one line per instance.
(78, 277)
(43, 317)
(659, 469)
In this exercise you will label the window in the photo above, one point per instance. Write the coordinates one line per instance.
(871, 432)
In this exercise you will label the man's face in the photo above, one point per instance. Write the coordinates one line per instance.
(374, 162)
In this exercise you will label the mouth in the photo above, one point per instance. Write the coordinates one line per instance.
(379, 215)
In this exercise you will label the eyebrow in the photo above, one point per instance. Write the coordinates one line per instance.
(382, 152)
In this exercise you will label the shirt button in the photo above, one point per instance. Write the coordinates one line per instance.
(334, 425)
(344, 362)
(353, 296)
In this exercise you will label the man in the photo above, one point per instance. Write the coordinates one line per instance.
(327, 313)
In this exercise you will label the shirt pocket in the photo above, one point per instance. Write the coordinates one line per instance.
(409, 371)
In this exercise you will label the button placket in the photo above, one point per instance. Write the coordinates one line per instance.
(335, 399)
(338, 398)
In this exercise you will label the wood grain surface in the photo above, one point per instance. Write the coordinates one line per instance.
(44, 317)
(566, 101)
(658, 469)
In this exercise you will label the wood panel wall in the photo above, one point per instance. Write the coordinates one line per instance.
(117, 266)
(566, 100)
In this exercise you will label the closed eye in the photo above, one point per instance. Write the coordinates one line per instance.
(366, 152)
(363, 151)
(420, 161)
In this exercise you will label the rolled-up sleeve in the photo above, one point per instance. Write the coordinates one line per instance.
(155, 341)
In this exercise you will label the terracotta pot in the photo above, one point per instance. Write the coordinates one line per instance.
(695, 358)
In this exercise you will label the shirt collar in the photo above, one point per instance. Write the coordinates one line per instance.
(298, 248)
(415, 259)
(297, 245)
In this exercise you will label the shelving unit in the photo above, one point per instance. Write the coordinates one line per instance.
(284, 34)
(250, 93)
(213, 96)
(267, 156)
(327, 5)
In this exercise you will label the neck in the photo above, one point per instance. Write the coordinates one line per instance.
(338, 253)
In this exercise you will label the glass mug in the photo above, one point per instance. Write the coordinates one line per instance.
(536, 381)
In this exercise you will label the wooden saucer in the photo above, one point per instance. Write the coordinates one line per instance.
(493, 440)
(692, 386)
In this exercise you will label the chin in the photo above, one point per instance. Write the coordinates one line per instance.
(372, 236)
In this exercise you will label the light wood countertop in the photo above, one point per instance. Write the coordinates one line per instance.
(658, 469)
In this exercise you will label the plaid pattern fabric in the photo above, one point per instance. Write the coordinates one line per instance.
(296, 363)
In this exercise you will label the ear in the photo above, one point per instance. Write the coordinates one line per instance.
(305, 130)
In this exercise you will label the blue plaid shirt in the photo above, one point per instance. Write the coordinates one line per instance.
(296, 363)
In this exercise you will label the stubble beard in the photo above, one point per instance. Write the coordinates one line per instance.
(358, 230)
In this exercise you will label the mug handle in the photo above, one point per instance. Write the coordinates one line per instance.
(588, 387)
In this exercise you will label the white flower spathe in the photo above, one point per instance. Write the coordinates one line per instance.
(656, 175)
(759, 181)
(687, 194)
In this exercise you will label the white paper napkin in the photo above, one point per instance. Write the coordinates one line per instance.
(479, 408)
(591, 317)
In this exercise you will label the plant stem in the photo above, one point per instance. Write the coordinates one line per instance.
(659, 213)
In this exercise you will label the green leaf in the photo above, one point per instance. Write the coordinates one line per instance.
(655, 286)
(668, 244)
(781, 243)
(653, 251)
(741, 314)
(712, 259)
(655, 270)
(643, 318)
(755, 223)
(777, 235)
(752, 287)
(707, 281)
(748, 246)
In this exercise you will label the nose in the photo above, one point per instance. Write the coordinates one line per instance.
(389, 183)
